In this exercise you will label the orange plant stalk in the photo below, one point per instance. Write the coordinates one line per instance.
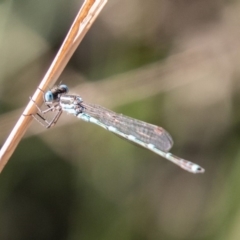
(83, 21)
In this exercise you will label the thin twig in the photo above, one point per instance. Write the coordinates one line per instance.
(85, 18)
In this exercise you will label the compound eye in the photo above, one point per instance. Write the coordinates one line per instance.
(63, 88)
(48, 96)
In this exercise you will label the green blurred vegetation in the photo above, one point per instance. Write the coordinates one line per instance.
(171, 63)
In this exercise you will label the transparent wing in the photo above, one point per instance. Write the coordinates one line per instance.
(144, 132)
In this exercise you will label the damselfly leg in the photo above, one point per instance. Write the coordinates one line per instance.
(39, 116)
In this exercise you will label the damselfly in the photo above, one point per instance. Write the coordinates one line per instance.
(149, 136)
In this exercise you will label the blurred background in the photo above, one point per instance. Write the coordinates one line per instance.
(171, 63)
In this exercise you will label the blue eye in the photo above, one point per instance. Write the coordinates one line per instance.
(63, 88)
(48, 96)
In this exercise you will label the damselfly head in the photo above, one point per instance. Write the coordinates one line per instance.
(54, 94)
